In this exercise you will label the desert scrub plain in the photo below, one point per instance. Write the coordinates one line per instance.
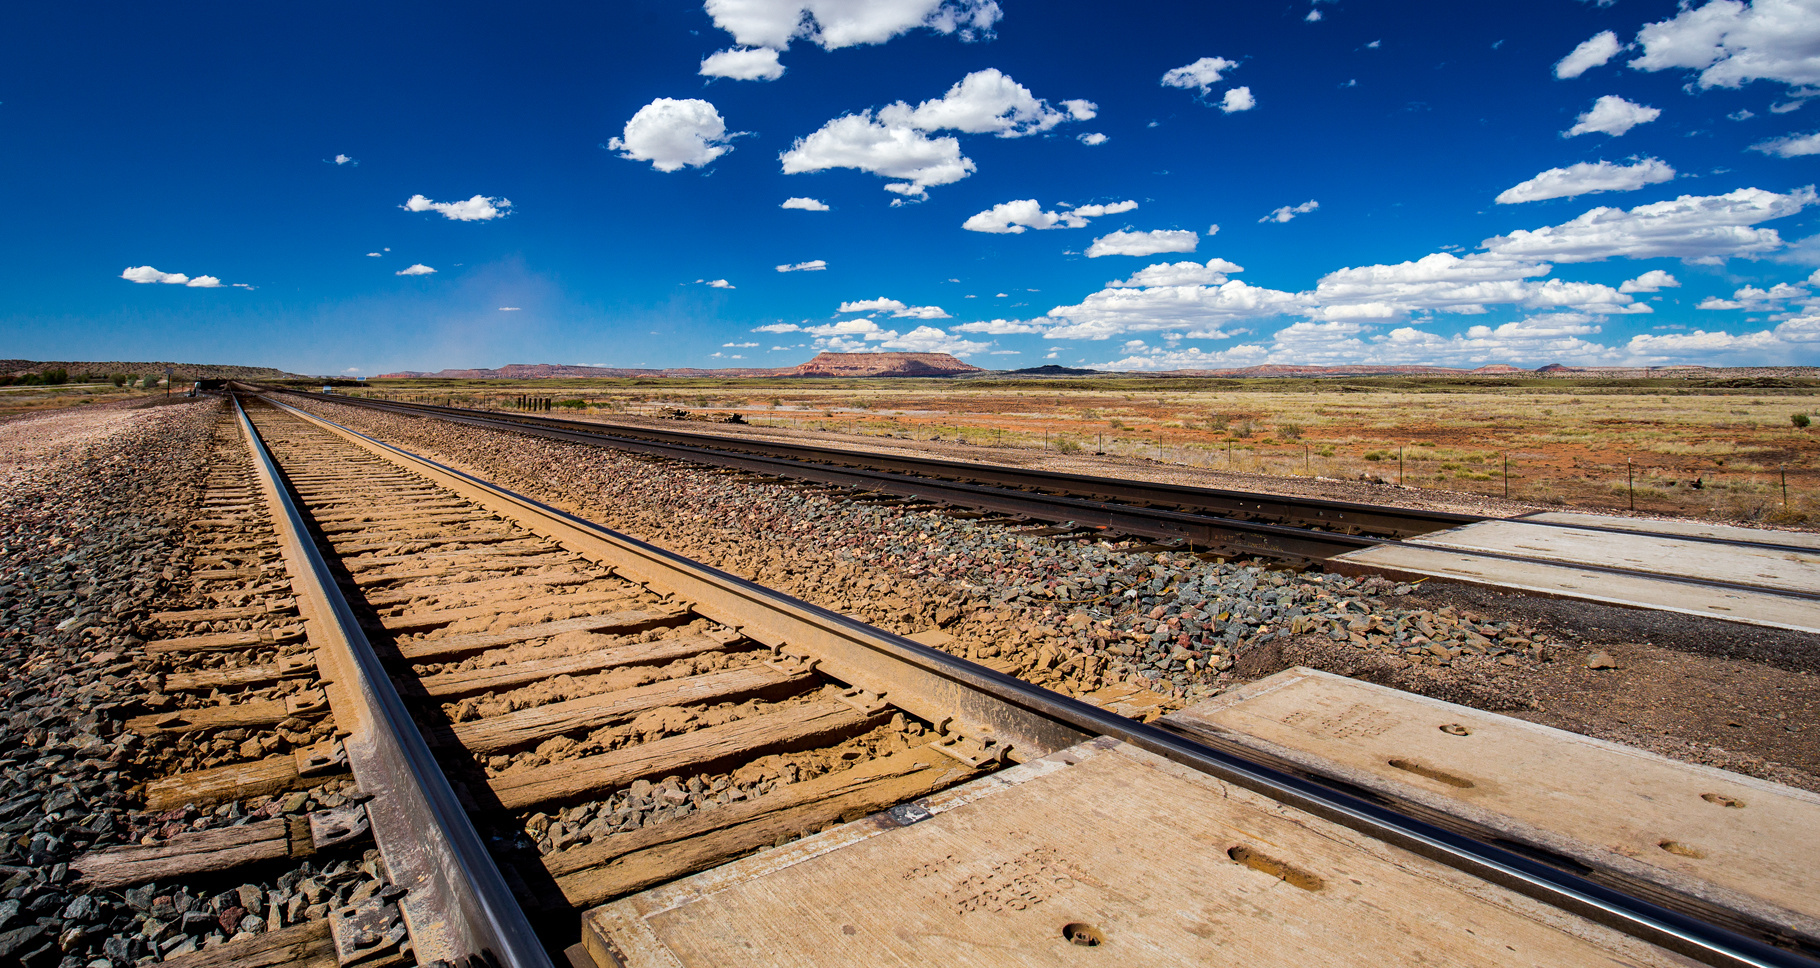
(1710, 449)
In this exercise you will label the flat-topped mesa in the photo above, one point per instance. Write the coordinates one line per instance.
(883, 364)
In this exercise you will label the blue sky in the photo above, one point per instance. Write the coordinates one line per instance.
(1017, 183)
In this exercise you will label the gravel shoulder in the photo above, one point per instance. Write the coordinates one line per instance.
(1107, 623)
(92, 503)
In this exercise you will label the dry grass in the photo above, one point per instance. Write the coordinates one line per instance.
(1588, 447)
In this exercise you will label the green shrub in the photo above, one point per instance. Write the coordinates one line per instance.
(1063, 445)
(119, 379)
(1289, 431)
(572, 404)
(1800, 420)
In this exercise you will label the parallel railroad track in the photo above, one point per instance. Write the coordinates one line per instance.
(1295, 530)
(491, 670)
(1207, 519)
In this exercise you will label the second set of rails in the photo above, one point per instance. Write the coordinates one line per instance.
(489, 661)
(1296, 530)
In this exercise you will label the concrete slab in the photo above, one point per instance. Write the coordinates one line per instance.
(1565, 581)
(1740, 843)
(1698, 529)
(1104, 854)
(1770, 568)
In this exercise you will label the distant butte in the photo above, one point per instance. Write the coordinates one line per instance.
(882, 364)
(824, 365)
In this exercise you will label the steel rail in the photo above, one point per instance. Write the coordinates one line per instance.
(1673, 929)
(1210, 533)
(1307, 512)
(1530, 519)
(457, 905)
(1237, 537)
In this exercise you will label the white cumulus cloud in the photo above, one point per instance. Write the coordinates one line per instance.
(1755, 298)
(1111, 312)
(1444, 282)
(1288, 212)
(1793, 146)
(984, 102)
(1586, 179)
(1601, 47)
(720, 284)
(743, 64)
(917, 161)
(863, 335)
(896, 143)
(673, 133)
(895, 307)
(1612, 115)
(882, 304)
(1143, 243)
(147, 274)
(1015, 217)
(144, 274)
(805, 204)
(480, 208)
(1202, 74)
(1097, 210)
(922, 312)
(1732, 43)
(1238, 99)
(834, 24)
(1700, 229)
(1651, 281)
(1081, 110)
(1211, 273)
(1001, 327)
(1093, 138)
(816, 265)
(347, 160)
(415, 269)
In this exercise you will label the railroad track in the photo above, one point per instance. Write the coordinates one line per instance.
(529, 714)
(1759, 577)
(1213, 520)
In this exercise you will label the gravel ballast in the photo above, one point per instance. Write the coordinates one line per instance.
(1097, 621)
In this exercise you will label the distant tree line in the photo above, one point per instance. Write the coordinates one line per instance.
(59, 377)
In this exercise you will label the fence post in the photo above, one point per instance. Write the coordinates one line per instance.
(1785, 485)
(1507, 475)
(1630, 483)
(1399, 465)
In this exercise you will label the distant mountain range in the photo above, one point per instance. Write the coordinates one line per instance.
(824, 365)
(943, 365)
(179, 371)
